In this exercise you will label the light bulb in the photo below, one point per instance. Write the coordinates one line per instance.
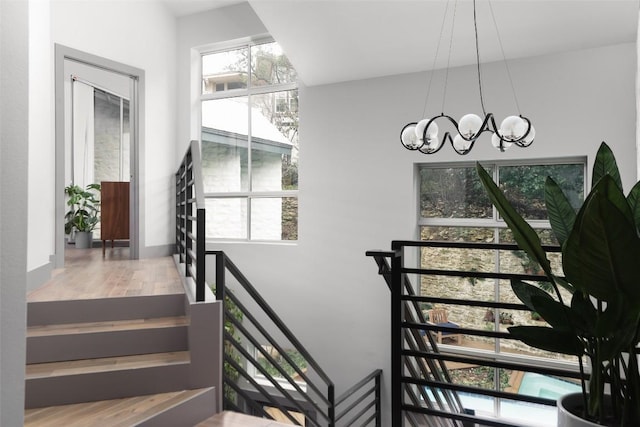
(469, 125)
(495, 141)
(431, 142)
(460, 144)
(432, 132)
(409, 138)
(512, 128)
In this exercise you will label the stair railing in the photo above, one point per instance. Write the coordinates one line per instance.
(407, 382)
(267, 371)
(190, 218)
(418, 342)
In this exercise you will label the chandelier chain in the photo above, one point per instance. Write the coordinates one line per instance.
(446, 76)
(475, 28)
(504, 58)
(435, 58)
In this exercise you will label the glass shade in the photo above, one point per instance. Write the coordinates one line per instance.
(512, 128)
(409, 137)
(469, 125)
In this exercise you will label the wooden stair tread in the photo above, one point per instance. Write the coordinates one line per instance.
(85, 366)
(234, 419)
(114, 413)
(111, 326)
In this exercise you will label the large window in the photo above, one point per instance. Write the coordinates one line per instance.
(249, 124)
(453, 206)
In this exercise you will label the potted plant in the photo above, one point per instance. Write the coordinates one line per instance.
(601, 263)
(82, 216)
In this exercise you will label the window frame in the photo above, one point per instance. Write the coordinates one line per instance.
(495, 221)
(248, 92)
(496, 224)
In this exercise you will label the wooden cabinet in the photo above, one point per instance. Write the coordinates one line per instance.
(114, 211)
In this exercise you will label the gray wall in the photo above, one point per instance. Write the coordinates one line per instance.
(14, 127)
(357, 185)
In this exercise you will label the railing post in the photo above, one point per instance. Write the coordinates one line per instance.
(396, 336)
(220, 276)
(332, 405)
(200, 250)
(378, 398)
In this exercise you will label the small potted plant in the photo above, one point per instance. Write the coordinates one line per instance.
(82, 216)
(601, 265)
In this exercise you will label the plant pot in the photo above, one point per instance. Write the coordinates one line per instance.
(568, 406)
(84, 239)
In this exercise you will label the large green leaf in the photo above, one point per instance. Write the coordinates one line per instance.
(633, 199)
(605, 164)
(560, 212)
(525, 291)
(600, 256)
(548, 339)
(585, 314)
(527, 239)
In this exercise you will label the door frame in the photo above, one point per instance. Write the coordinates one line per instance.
(136, 123)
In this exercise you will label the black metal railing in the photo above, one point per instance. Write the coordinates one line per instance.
(415, 393)
(419, 342)
(269, 373)
(190, 218)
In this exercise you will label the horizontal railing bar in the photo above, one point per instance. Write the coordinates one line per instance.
(466, 331)
(258, 387)
(379, 253)
(358, 385)
(277, 346)
(480, 391)
(368, 420)
(465, 245)
(360, 413)
(356, 402)
(470, 303)
(192, 254)
(456, 416)
(475, 274)
(271, 360)
(240, 348)
(496, 364)
(246, 398)
(276, 319)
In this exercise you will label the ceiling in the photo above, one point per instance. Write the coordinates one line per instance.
(331, 41)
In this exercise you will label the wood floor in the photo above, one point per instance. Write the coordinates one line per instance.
(87, 275)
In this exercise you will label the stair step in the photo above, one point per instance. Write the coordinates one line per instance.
(74, 341)
(109, 326)
(105, 364)
(105, 309)
(156, 409)
(234, 419)
(61, 383)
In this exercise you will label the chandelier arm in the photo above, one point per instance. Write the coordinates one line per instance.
(410, 148)
(430, 150)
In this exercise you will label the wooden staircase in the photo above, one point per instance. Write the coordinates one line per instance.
(115, 361)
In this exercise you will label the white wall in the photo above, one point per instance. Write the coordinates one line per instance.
(41, 213)
(357, 191)
(143, 35)
(14, 127)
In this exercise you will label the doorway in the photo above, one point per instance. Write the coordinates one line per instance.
(92, 94)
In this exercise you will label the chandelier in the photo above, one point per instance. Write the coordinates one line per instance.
(423, 135)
